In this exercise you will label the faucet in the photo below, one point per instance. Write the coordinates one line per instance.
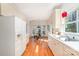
(70, 39)
(73, 37)
(67, 38)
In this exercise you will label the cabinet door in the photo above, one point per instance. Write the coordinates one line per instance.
(51, 43)
(23, 34)
(18, 48)
(20, 29)
(70, 52)
(18, 25)
(55, 46)
(58, 48)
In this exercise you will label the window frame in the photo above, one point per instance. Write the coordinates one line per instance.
(71, 22)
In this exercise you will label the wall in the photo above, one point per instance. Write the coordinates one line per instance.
(8, 9)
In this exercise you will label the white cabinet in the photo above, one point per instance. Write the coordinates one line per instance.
(51, 43)
(20, 29)
(69, 51)
(55, 46)
(60, 49)
(12, 36)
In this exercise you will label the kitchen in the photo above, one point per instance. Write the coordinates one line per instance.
(57, 22)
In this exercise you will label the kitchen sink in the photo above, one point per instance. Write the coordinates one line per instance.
(71, 40)
(66, 38)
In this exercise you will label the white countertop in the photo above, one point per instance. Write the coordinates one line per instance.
(72, 44)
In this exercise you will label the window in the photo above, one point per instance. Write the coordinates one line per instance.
(71, 27)
(78, 26)
(72, 23)
(48, 27)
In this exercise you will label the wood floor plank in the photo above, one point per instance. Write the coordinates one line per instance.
(38, 48)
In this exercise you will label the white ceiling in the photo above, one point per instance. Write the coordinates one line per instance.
(36, 11)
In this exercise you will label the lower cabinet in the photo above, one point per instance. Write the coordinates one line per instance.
(69, 51)
(55, 46)
(60, 49)
(51, 43)
(18, 48)
(20, 45)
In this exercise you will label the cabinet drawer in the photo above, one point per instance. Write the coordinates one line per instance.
(70, 52)
(51, 44)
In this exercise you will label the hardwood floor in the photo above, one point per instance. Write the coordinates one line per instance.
(37, 48)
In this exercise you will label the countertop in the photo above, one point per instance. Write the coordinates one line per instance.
(72, 44)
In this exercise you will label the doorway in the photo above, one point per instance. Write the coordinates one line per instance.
(39, 30)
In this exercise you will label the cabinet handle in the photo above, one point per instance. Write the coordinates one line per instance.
(18, 35)
(72, 54)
